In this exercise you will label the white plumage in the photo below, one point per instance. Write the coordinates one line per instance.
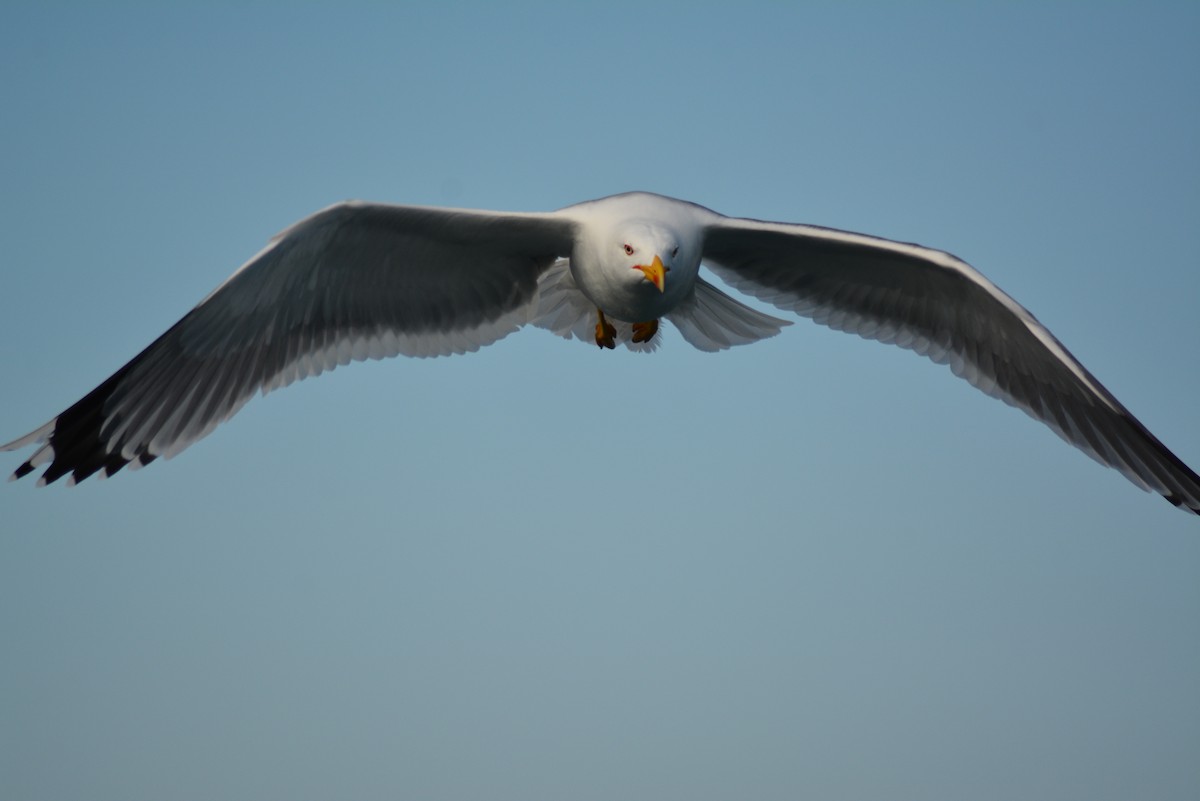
(364, 281)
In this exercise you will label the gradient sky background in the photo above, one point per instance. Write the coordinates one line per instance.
(812, 568)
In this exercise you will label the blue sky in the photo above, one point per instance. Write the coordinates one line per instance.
(813, 567)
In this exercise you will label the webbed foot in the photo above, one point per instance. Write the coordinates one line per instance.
(644, 332)
(605, 332)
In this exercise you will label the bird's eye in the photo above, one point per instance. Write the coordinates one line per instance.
(628, 250)
(675, 252)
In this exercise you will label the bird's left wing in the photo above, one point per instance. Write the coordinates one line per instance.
(354, 281)
(937, 305)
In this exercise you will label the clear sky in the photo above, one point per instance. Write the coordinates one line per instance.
(816, 567)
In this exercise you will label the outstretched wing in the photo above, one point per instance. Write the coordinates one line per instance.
(355, 281)
(933, 303)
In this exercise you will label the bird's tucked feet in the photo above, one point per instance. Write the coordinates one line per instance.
(644, 332)
(606, 333)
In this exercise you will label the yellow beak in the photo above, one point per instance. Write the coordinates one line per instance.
(656, 273)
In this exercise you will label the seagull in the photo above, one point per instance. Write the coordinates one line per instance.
(362, 280)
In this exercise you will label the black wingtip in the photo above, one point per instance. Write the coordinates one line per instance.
(1180, 503)
(78, 448)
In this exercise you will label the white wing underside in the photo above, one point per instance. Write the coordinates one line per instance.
(709, 320)
(180, 429)
(185, 423)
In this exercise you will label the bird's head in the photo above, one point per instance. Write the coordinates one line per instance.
(647, 252)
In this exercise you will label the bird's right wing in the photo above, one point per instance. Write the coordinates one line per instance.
(937, 305)
(354, 281)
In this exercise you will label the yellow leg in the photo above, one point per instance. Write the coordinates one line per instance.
(605, 332)
(644, 332)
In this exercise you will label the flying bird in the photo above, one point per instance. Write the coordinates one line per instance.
(365, 281)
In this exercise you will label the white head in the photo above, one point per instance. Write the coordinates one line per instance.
(646, 250)
(637, 255)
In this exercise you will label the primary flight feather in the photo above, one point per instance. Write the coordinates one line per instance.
(362, 280)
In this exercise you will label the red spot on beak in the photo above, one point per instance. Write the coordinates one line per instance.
(655, 273)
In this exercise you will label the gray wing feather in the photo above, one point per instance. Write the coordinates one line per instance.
(937, 305)
(354, 281)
